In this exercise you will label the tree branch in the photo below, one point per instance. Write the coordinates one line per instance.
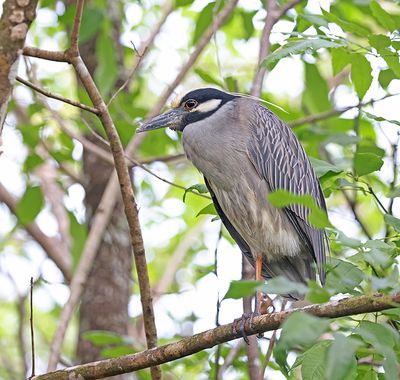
(130, 207)
(221, 334)
(274, 13)
(57, 97)
(49, 245)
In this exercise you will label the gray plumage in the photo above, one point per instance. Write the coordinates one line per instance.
(244, 152)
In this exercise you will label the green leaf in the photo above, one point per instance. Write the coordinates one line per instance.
(366, 163)
(241, 289)
(383, 18)
(182, 3)
(297, 46)
(379, 41)
(114, 352)
(208, 210)
(315, 95)
(207, 77)
(347, 26)
(392, 60)
(322, 167)
(281, 285)
(299, 329)
(316, 293)
(392, 221)
(30, 205)
(317, 217)
(341, 357)
(199, 187)
(340, 59)
(248, 26)
(380, 118)
(347, 241)
(385, 77)
(314, 361)
(106, 71)
(78, 234)
(91, 23)
(102, 338)
(361, 74)
(204, 20)
(377, 334)
(342, 276)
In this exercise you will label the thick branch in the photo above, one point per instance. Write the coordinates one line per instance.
(49, 245)
(218, 335)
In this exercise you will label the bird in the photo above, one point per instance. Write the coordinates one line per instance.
(245, 152)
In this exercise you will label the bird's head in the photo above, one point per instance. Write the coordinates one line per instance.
(193, 106)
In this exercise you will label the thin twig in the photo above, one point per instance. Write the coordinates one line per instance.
(327, 114)
(218, 335)
(32, 331)
(203, 42)
(393, 183)
(230, 358)
(144, 48)
(372, 192)
(57, 97)
(271, 345)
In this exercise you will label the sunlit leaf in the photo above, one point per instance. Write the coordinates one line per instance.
(366, 163)
(199, 187)
(208, 210)
(340, 59)
(383, 18)
(361, 74)
(297, 46)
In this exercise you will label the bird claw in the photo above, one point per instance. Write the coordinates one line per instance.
(242, 326)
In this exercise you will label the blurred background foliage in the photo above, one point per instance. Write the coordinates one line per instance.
(333, 74)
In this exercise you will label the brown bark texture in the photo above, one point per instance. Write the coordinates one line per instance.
(14, 24)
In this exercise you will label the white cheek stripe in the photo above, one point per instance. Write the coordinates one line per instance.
(209, 105)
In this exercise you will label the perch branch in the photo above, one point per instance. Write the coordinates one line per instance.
(221, 334)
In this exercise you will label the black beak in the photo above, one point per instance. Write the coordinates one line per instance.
(171, 119)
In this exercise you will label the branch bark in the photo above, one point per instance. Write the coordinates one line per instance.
(218, 335)
(14, 23)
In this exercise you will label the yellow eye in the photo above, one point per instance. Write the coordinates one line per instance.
(190, 104)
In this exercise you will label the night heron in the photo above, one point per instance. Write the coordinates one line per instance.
(244, 152)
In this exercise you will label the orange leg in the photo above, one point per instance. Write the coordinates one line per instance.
(259, 296)
(262, 303)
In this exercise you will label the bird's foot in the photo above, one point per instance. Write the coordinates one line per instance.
(240, 324)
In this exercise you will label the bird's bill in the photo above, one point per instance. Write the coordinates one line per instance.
(171, 119)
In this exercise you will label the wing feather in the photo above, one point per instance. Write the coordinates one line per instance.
(280, 159)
